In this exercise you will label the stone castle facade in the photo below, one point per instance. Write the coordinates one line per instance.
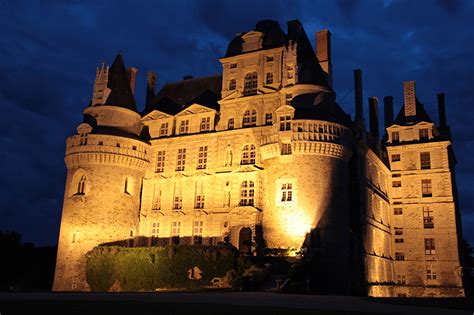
(263, 157)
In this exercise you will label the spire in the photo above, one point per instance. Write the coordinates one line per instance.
(121, 94)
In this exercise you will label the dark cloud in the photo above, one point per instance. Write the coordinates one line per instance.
(49, 51)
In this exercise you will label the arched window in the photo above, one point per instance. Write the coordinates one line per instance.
(231, 124)
(80, 186)
(250, 118)
(250, 84)
(248, 154)
(232, 84)
(247, 193)
(128, 187)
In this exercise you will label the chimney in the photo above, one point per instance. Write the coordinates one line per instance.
(410, 98)
(374, 116)
(359, 112)
(323, 52)
(441, 110)
(132, 75)
(388, 110)
(151, 87)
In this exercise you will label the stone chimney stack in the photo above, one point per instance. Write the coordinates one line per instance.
(441, 110)
(374, 117)
(359, 111)
(150, 87)
(323, 52)
(410, 98)
(132, 76)
(388, 110)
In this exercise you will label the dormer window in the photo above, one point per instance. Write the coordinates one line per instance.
(424, 134)
(395, 137)
(269, 58)
(250, 84)
(232, 84)
(231, 124)
(233, 65)
(285, 123)
(205, 124)
(250, 118)
(184, 127)
(164, 129)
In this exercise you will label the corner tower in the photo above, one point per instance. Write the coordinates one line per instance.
(105, 161)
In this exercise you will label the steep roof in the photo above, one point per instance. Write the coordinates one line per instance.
(121, 94)
(421, 115)
(320, 106)
(174, 97)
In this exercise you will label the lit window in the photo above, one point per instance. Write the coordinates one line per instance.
(233, 65)
(428, 220)
(247, 193)
(286, 192)
(202, 158)
(199, 199)
(269, 78)
(184, 126)
(230, 124)
(397, 211)
(398, 231)
(164, 129)
(425, 160)
(81, 186)
(83, 139)
(429, 246)
(399, 256)
(395, 136)
(232, 84)
(426, 188)
(401, 279)
(399, 240)
(424, 134)
(268, 119)
(269, 58)
(181, 160)
(250, 84)
(285, 123)
(156, 197)
(155, 229)
(285, 148)
(248, 154)
(175, 231)
(250, 118)
(397, 183)
(160, 161)
(197, 232)
(430, 273)
(205, 124)
(128, 186)
(395, 157)
(177, 197)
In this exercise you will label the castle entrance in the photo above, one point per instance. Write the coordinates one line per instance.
(245, 240)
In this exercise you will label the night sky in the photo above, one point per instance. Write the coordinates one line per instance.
(49, 51)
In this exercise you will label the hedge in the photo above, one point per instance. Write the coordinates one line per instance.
(150, 268)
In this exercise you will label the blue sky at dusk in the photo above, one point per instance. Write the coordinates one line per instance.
(49, 51)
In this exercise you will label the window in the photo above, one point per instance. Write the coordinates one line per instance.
(160, 161)
(233, 65)
(395, 137)
(285, 148)
(175, 231)
(247, 193)
(397, 183)
(184, 126)
(177, 197)
(397, 211)
(399, 240)
(81, 186)
(202, 158)
(155, 229)
(430, 273)
(248, 154)
(428, 220)
(199, 200)
(401, 279)
(101, 143)
(127, 189)
(398, 231)
(424, 134)
(197, 232)
(268, 119)
(83, 139)
(250, 84)
(164, 129)
(426, 188)
(205, 124)
(156, 197)
(285, 123)
(269, 78)
(395, 157)
(181, 160)
(230, 123)
(286, 192)
(250, 118)
(399, 256)
(429, 246)
(232, 84)
(269, 58)
(425, 161)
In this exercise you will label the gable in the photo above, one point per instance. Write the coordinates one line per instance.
(154, 115)
(195, 109)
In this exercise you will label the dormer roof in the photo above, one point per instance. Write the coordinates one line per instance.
(121, 94)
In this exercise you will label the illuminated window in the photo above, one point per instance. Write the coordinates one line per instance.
(101, 143)
(202, 158)
(248, 154)
(160, 161)
(428, 220)
(430, 273)
(250, 118)
(181, 159)
(268, 119)
(156, 197)
(398, 231)
(232, 84)
(426, 188)
(177, 197)
(395, 157)
(399, 240)
(286, 192)
(197, 232)
(425, 160)
(429, 246)
(397, 211)
(81, 186)
(285, 148)
(269, 78)
(205, 124)
(397, 183)
(285, 123)
(401, 279)
(424, 134)
(230, 124)
(175, 231)
(164, 129)
(233, 65)
(199, 199)
(155, 229)
(127, 189)
(250, 84)
(269, 58)
(184, 126)
(83, 139)
(247, 193)
(399, 256)
(395, 136)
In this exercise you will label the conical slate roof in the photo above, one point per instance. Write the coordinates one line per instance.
(121, 94)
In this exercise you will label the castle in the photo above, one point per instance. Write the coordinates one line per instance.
(262, 156)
